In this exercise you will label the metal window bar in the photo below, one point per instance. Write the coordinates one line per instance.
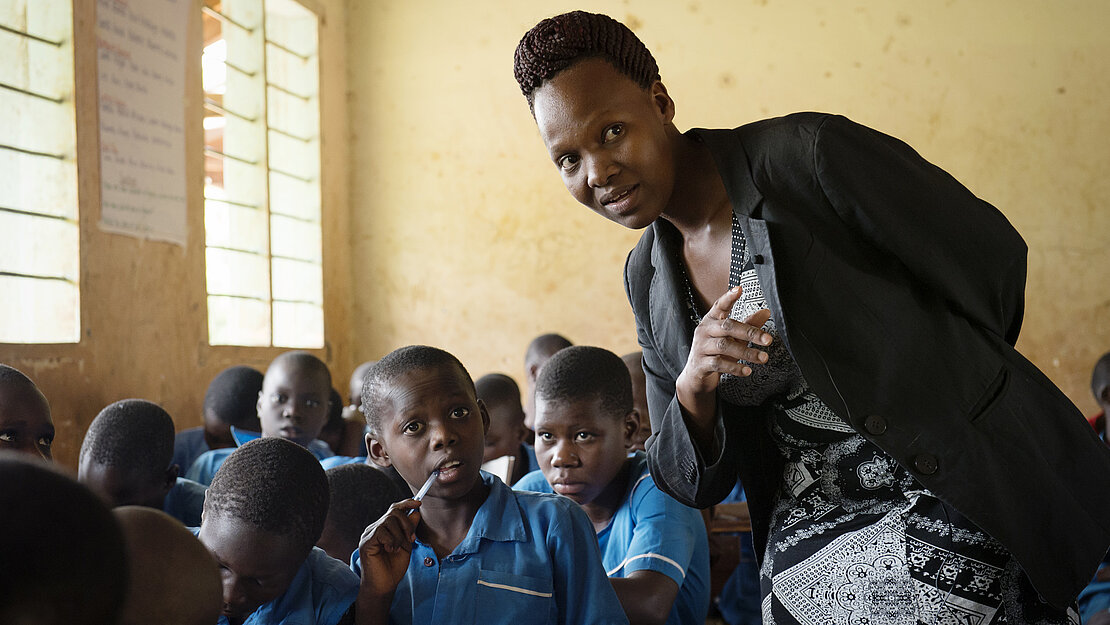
(246, 72)
(303, 57)
(239, 250)
(292, 175)
(295, 259)
(26, 213)
(4, 146)
(288, 91)
(223, 18)
(33, 94)
(211, 152)
(252, 298)
(233, 203)
(297, 301)
(30, 276)
(306, 220)
(23, 33)
(212, 104)
(286, 133)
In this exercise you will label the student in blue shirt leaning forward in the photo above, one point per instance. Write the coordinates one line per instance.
(472, 551)
(655, 549)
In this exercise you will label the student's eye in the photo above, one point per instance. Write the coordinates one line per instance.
(278, 398)
(312, 403)
(7, 437)
(582, 436)
(544, 436)
(568, 162)
(612, 132)
(412, 427)
(46, 441)
(461, 412)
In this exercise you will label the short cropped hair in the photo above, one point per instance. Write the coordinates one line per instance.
(498, 388)
(1100, 376)
(398, 362)
(302, 360)
(360, 495)
(62, 554)
(275, 485)
(583, 373)
(557, 43)
(545, 346)
(133, 434)
(10, 376)
(232, 396)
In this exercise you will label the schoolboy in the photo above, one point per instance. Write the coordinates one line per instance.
(62, 556)
(25, 423)
(539, 350)
(263, 515)
(654, 549)
(359, 495)
(173, 578)
(506, 432)
(293, 404)
(472, 551)
(229, 403)
(127, 458)
(635, 363)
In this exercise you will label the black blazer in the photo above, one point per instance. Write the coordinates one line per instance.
(900, 294)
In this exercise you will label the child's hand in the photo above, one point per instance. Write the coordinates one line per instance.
(385, 547)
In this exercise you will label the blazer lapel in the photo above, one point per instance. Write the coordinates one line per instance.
(670, 324)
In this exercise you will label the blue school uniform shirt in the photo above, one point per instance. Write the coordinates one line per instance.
(650, 531)
(205, 467)
(322, 591)
(188, 445)
(528, 558)
(185, 502)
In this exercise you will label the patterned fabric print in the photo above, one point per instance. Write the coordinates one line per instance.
(856, 540)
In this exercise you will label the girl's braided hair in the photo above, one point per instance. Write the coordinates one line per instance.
(558, 42)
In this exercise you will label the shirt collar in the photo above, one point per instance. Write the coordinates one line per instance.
(498, 519)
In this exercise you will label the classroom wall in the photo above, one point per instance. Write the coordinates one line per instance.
(463, 236)
(143, 304)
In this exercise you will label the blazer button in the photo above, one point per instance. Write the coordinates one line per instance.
(757, 259)
(925, 463)
(874, 424)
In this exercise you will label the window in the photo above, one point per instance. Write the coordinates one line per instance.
(262, 169)
(39, 233)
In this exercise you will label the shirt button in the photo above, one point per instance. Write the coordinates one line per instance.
(429, 561)
(874, 424)
(925, 463)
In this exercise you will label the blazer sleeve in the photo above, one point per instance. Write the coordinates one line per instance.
(956, 244)
(677, 466)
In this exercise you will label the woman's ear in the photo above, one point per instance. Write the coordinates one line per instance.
(378, 454)
(662, 102)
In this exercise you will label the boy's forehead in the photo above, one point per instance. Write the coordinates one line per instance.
(578, 411)
(23, 402)
(289, 372)
(425, 383)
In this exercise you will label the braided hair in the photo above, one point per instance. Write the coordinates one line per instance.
(558, 42)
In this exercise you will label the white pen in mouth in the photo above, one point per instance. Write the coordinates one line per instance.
(427, 485)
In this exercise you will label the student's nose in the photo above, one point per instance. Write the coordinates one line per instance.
(563, 455)
(442, 436)
(234, 593)
(31, 446)
(599, 169)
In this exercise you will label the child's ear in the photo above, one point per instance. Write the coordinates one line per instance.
(485, 417)
(631, 425)
(258, 406)
(662, 102)
(171, 477)
(378, 454)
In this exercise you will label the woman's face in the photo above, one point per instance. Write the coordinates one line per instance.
(609, 139)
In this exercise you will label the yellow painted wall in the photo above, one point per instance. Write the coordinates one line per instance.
(143, 304)
(463, 236)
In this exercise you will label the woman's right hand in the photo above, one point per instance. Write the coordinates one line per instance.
(719, 344)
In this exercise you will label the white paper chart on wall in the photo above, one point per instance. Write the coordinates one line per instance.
(141, 78)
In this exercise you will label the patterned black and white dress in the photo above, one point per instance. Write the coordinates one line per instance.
(854, 538)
